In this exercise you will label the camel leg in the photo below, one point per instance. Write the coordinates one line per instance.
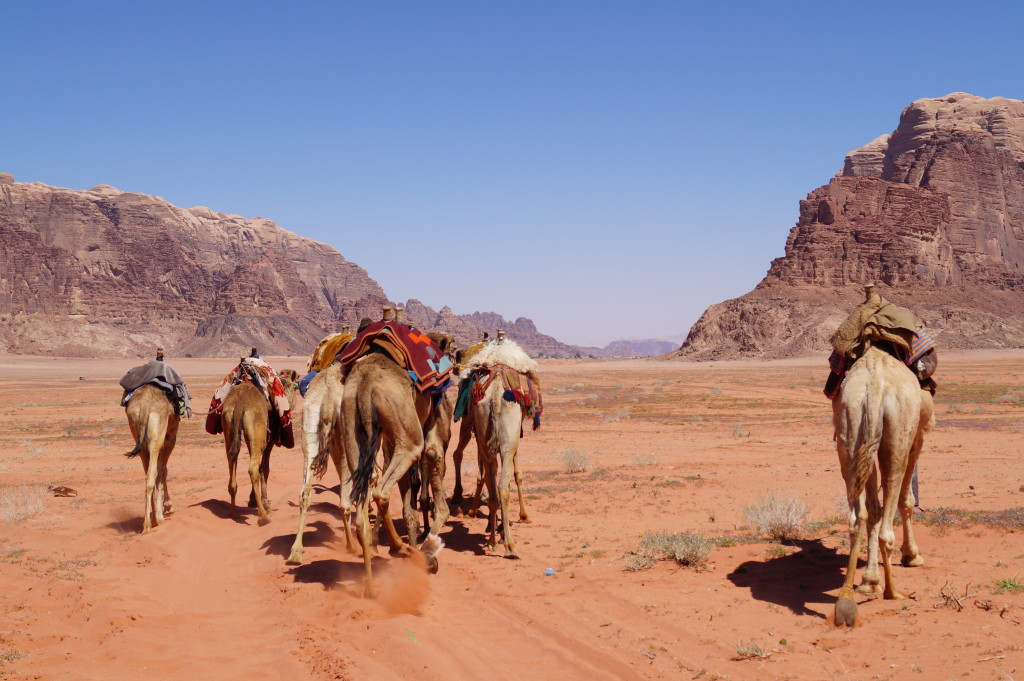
(407, 491)
(256, 442)
(435, 472)
(295, 557)
(871, 579)
(481, 474)
(509, 448)
(365, 531)
(523, 515)
(895, 480)
(344, 493)
(911, 555)
(846, 607)
(232, 465)
(165, 455)
(426, 487)
(465, 435)
(152, 462)
(265, 477)
(382, 498)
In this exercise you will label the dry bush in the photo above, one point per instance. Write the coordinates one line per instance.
(690, 548)
(574, 460)
(776, 517)
(21, 502)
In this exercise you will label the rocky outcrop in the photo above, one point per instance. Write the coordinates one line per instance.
(469, 328)
(111, 273)
(933, 213)
(638, 348)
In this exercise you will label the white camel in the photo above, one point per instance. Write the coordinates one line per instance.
(498, 427)
(321, 437)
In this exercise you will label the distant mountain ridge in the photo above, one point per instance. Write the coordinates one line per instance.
(932, 213)
(101, 272)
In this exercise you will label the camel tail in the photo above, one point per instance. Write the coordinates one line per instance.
(140, 441)
(367, 441)
(236, 438)
(868, 440)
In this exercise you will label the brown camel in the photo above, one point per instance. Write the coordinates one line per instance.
(153, 422)
(881, 411)
(321, 437)
(379, 403)
(290, 381)
(498, 427)
(431, 474)
(247, 415)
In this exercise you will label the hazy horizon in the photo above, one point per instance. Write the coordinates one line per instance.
(608, 170)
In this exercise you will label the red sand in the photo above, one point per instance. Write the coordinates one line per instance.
(672, 447)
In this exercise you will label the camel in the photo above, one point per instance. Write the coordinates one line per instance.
(321, 436)
(432, 471)
(247, 414)
(498, 427)
(153, 422)
(381, 403)
(290, 381)
(880, 409)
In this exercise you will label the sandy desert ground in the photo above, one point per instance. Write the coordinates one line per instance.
(671, 448)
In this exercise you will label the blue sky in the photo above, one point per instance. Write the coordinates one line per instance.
(608, 169)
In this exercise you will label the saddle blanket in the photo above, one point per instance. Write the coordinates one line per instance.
(521, 388)
(327, 350)
(163, 376)
(256, 371)
(409, 347)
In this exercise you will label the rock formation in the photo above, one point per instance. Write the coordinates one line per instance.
(933, 213)
(110, 273)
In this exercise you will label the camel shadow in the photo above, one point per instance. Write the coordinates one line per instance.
(794, 580)
(126, 526)
(317, 533)
(459, 538)
(331, 573)
(222, 509)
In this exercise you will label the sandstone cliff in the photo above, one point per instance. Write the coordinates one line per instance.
(110, 273)
(933, 213)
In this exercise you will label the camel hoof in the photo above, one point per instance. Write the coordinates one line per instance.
(400, 553)
(471, 513)
(846, 612)
(432, 565)
(525, 519)
(894, 596)
(512, 554)
(263, 521)
(912, 561)
(869, 589)
(294, 559)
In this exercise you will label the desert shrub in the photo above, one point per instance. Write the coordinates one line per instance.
(1011, 585)
(644, 460)
(21, 502)
(574, 460)
(749, 650)
(739, 431)
(776, 517)
(689, 548)
(639, 561)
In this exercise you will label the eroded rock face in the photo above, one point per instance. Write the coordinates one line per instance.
(110, 273)
(932, 213)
